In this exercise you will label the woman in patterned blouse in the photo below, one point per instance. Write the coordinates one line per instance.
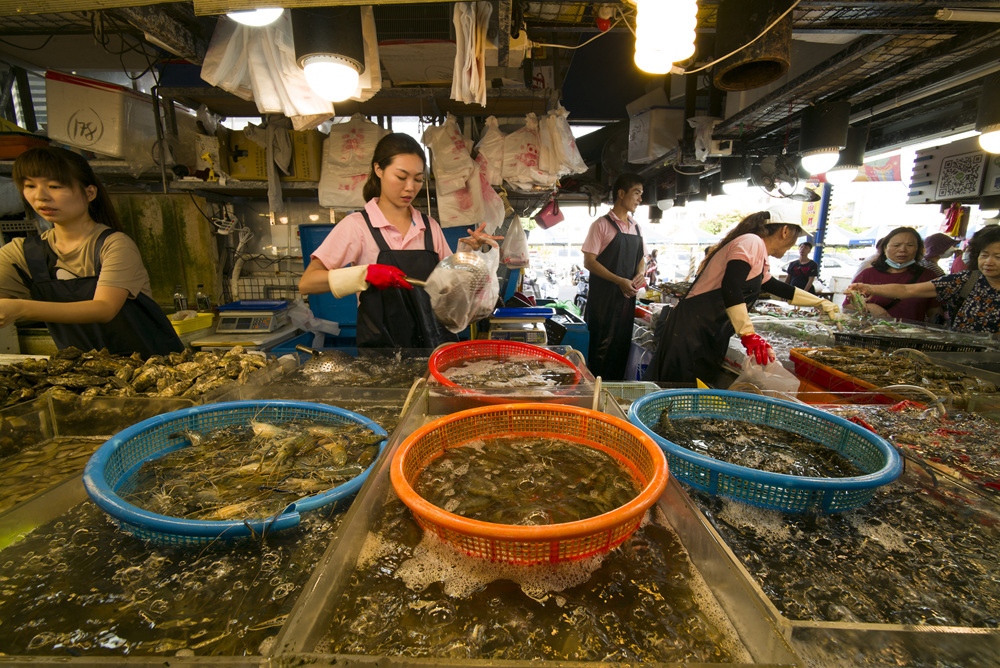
(970, 298)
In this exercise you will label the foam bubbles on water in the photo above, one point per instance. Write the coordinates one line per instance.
(434, 561)
(889, 537)
(770, 523)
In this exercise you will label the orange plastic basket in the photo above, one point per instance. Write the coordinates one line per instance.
(532, 544)
(452, 354)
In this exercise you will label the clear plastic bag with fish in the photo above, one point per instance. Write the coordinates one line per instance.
(464, 288)
(773, 376)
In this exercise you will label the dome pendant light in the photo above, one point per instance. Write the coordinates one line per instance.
(733, 172)
(330, 49)
(988, 116)
(823, 134)
(664, 33)
(851, 158)
(262, 16)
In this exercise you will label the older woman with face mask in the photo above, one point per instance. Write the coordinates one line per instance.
(899, 263)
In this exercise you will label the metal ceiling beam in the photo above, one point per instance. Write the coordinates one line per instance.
(29, 7)
(203, 7)
(166, 32)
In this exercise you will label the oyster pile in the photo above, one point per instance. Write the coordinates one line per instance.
(99, 373)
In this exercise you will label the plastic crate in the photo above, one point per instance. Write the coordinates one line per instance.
(200, 321)
(894, 342)
(630, 391)
(787, 493)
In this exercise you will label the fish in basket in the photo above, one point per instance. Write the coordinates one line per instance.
(230, 470)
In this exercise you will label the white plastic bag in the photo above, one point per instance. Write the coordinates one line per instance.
(521, 150)
(258, 63)
(303, 318)
(514, 247)
(347, 157)
(490, 149)
(450, 158)
(772, 377)
(564, 155)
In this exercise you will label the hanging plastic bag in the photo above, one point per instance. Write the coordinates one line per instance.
(490, 149)
(772, 377)
(450, 158)
(514, 248)
(520, 157)
(565, 156)
(347, 157)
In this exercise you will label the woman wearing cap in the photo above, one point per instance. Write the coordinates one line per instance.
(937, 247)
(696, 334)
(970, 298)
(899, 262)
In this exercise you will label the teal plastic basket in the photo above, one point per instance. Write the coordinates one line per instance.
(792, 494)
(116, 463)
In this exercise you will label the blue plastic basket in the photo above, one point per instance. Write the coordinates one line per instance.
(117, 461)
(787, 493)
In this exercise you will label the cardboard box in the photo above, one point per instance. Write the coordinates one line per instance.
(248, 161)
(100, 117)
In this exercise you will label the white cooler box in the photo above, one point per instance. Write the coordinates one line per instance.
(100, 117)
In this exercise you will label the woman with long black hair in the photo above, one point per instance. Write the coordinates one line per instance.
(696, 334)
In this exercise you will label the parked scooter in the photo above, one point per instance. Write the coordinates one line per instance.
(582, 280)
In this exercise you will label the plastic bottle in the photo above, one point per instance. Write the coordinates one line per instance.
(202, 300)
(180, 299)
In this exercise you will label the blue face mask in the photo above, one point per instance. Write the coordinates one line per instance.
(898, 265)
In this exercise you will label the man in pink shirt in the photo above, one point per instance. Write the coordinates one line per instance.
(614, 253)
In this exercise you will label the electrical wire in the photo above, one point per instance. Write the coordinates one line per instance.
(737, 50)
(600, 34)
(29, 48)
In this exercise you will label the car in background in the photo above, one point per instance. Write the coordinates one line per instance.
(835, 267)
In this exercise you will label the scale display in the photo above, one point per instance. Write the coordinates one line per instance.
(250, 322)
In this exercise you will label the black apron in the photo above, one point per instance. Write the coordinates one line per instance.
(609, 313)
(397, 317)
(140, 326)
(692, 343)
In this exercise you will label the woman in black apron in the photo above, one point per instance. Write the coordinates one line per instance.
(86, 310)
(385, 243)
(692, 342)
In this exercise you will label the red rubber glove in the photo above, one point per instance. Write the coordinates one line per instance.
(382, 276)
(759, 348)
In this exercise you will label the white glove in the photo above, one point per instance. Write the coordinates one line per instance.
(740, 318)
(803, 298)
(348, 280)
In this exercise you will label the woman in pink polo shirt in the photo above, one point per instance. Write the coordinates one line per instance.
(385, 243)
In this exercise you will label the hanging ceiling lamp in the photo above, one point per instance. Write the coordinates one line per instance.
(261, 16)
(665, 196)
(989, 206)
(851, 158)
(687, 184)
(698, 201)
(664, 33)
(988, 117)
(733, 172)
(823, 134)
(330, 49)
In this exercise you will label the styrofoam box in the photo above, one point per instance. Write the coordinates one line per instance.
(654, 132)
(100, 117)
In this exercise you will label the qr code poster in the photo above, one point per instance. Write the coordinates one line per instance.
(961, 175)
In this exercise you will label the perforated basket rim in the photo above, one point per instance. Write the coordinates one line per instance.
(889, 472)
(101, 493)
(530, 534)
(480, 345)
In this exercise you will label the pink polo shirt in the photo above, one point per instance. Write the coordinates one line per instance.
(350, 241)
(601, 233)
(749, 248)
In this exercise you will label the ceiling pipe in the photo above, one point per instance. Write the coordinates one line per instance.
(976, 15)
(933, 89)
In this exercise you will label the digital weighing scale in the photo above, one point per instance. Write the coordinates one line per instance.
(252, 317)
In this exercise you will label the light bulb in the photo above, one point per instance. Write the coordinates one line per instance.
(331, 77)
(664, 33)
(838, 176)
(820, 160)
(664, 204)
(256, 17)
(990, 141)
(735, 187)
